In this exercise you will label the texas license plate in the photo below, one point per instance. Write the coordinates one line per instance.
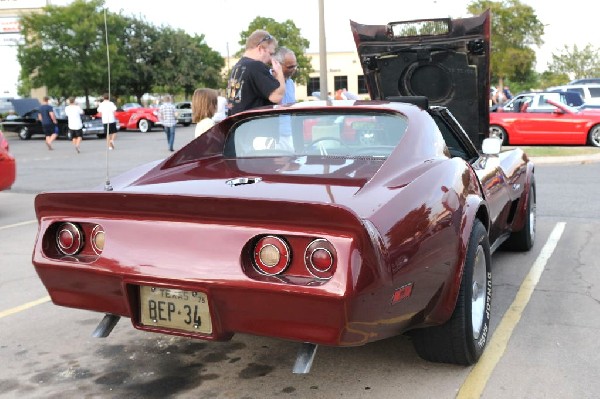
(175, 309)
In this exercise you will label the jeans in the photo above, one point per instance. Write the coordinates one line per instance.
(170, 131)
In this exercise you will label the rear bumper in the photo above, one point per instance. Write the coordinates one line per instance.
(269, 310)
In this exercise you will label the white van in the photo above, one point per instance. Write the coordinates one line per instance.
(589, 92)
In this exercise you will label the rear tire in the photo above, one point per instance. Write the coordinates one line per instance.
(462, 339)
(499, 132)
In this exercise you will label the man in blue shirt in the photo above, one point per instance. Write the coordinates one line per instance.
(48, 119)
(289, 65)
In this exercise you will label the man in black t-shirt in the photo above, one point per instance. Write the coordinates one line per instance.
(48, 119)
(251, 83)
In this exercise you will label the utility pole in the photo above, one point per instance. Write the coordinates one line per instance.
(322, 52)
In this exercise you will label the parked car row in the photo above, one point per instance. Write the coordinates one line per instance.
(26, 124)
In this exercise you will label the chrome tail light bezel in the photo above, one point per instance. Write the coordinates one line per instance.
(271, 243)
(320, 246)
(76, 234)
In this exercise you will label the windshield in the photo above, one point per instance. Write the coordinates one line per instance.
(363, 134)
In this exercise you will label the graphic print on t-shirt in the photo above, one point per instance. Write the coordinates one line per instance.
(236, 82)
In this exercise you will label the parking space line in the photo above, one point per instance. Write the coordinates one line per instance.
(23, 307)
(9, 226)
(478, 377)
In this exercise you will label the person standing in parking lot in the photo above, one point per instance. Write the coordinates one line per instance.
(74, 113)
(48, 118)
(107, 109)
(204, 106)
(166, 116)
(289, 65)
(251, 83)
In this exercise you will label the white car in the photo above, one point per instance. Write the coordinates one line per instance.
(184, 113)
(589, 92)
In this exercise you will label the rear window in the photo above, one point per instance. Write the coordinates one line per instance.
(326, 134)
(594, 92)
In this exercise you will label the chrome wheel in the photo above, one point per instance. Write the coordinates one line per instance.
(532, 215)
(24, 133)
(499, 132)
(143, 125)
(594, 136)
(478, 292)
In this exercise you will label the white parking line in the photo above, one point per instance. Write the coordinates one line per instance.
(9, 226)
(23, 307)
(478, 377)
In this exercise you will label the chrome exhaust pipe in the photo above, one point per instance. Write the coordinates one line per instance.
(306, 355)
(106, 326)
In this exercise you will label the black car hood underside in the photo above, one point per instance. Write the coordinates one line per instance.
(445, 60)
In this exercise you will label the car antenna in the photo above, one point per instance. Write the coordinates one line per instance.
(107, 185)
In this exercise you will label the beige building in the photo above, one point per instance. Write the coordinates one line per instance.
(343, 72)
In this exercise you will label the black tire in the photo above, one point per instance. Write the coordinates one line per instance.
(24, 133)
(594, 136)
(186, 124)
(524, 239)
(144, 125)
(462, 339)
(101, 135)
(500, 132)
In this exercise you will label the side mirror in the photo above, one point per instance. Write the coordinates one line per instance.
(491, 146)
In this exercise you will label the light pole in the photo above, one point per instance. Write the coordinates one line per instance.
(322, 52)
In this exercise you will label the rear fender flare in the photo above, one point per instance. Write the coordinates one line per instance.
(475, 208)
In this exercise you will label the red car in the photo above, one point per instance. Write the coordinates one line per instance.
(371, 219)
(133, 116)
(7, 165)
(560, 124)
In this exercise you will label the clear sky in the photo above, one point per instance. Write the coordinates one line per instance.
(221, 21)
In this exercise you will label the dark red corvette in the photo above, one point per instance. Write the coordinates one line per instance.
(334, 223)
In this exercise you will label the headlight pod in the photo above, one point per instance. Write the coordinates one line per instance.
(271, 255)
(69, 238)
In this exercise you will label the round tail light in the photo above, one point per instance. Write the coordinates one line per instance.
(97, 240)
(319, 258)
(69, 239)
(271, 255)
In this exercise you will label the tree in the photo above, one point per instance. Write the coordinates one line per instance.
(515, 27)
(576, 63)
(287, 35)
(63, 48)
(188, 62)
(134, 59)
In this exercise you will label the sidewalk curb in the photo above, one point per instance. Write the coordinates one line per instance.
(582, 159)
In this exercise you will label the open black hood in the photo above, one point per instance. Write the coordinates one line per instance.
(24, 105)
(445, 60)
